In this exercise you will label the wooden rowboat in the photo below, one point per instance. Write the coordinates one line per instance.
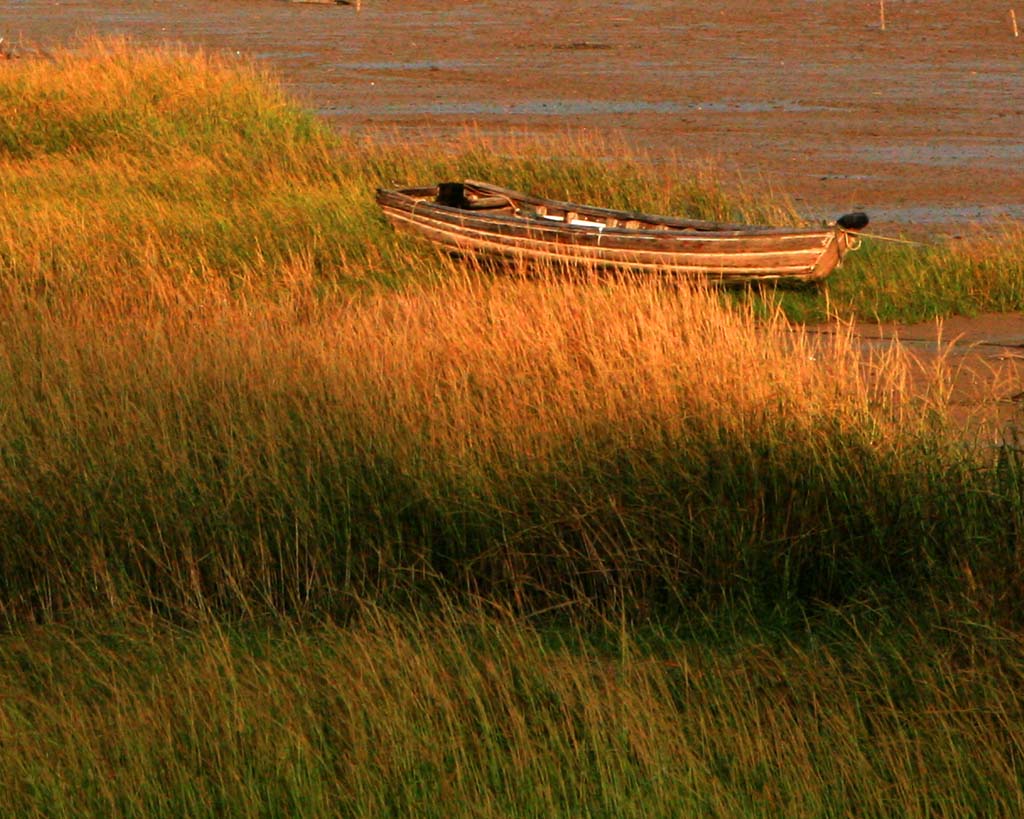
(475, 218)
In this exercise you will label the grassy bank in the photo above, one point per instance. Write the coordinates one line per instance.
(892, 281)
(154, 169)
(297, 517)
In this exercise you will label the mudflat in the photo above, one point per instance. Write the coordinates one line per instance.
(981, 360)
(921, 124)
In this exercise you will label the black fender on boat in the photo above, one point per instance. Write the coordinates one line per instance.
(858, 220)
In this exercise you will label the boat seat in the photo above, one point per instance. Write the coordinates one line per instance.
(487, 203)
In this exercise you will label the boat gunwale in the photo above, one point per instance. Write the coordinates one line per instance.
(421, 197)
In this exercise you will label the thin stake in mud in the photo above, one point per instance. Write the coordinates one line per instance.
(881, 13)
(1013, 22)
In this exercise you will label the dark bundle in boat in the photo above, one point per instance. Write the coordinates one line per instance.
(485, 220)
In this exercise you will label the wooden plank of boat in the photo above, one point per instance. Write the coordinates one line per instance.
(692, 256)
(477, 218)
(591, 233)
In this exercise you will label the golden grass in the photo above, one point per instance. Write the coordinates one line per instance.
(484, 431)
(213, 414)
(205, 410)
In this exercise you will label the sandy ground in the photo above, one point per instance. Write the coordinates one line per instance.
(920, 124)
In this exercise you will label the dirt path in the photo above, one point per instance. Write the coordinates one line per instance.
(920, 124)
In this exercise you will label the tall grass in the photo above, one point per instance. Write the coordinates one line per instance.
(128, 166)
(122, 165)
(894, 281)
(466, 715)
(536, 441)
(298, 517)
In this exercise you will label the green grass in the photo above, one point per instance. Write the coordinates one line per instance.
(886, 281)
(528, 441)
(472, 715)
(299, 518)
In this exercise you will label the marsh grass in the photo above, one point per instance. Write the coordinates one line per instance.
(912, 282)
(298, 517)
(123, 165)
(469, 715)
(534, 441)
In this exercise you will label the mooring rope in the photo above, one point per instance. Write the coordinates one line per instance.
(893, 239)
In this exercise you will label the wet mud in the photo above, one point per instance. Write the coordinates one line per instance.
(981, 360)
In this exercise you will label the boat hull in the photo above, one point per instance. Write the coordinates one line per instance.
(494, 222)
